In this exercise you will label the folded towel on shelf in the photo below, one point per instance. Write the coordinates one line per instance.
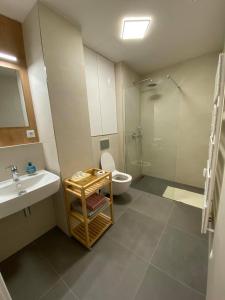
(76, 206)
(94, 201)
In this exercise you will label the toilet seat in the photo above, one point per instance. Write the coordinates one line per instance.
(107, 162)
(121, 177)
(120, 181)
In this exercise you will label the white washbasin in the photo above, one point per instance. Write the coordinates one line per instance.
(34, 189)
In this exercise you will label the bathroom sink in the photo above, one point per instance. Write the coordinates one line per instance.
(15, 196)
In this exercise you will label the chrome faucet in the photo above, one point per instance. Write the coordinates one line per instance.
(14, 173)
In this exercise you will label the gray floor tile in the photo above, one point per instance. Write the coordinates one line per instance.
(59, 292)
(157, 186)
(118, 212)
(129, 196)
(154, 206)
(151, 185)
(158, 286)
(184, 257)
(60, 250)
(27, 275)
(123, 202)
(137, 232)
(187, 218)
(112, 272)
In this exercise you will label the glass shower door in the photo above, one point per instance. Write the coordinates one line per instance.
(151, 118)
(132, 131)
(159, 119)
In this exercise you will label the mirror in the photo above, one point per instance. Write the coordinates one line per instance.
(12, 105)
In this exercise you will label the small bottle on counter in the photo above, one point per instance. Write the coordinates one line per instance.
(31, 168)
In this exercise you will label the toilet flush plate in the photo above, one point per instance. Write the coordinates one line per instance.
(104, 144)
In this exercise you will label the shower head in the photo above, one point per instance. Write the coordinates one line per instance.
(152, 84)
(148, 82)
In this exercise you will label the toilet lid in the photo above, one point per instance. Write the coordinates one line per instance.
(107, 162)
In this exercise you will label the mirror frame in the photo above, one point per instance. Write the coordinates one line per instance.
(10, 136)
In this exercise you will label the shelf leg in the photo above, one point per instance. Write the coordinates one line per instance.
(111, 199)
(67, 205)
(84, 210)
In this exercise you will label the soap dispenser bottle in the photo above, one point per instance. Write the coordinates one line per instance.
(31, 168)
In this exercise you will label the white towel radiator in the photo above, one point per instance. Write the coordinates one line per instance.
(216, 159)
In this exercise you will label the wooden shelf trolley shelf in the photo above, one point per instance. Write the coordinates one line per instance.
(87, 230)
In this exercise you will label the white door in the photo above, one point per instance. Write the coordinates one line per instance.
(214, 142)
(107, 96)
(92, 83)
(101, 93)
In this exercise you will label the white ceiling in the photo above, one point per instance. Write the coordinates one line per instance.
(15, 9)
(181, 29)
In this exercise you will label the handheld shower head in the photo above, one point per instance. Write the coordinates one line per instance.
(168, 76)
(147, 82)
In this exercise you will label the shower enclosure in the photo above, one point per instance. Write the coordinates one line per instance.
(151, 119)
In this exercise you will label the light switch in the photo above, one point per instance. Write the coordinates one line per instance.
(30, 133)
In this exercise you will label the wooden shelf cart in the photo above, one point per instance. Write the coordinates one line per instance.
(88, 230)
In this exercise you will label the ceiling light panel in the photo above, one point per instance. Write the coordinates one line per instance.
(135, 28)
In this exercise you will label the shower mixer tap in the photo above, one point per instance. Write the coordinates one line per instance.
(137, 133)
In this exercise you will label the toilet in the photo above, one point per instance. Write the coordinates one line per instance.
(121, 181)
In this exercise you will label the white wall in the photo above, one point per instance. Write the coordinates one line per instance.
(176, 123)
(20, 155)
(55, 57)
(16, 231)
(39, 89)
(62, 104)
(64, 61)
(40, 96)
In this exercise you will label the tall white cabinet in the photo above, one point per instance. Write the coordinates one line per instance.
(101, 92)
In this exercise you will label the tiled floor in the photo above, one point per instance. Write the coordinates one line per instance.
(157, 186)
(153, 252)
